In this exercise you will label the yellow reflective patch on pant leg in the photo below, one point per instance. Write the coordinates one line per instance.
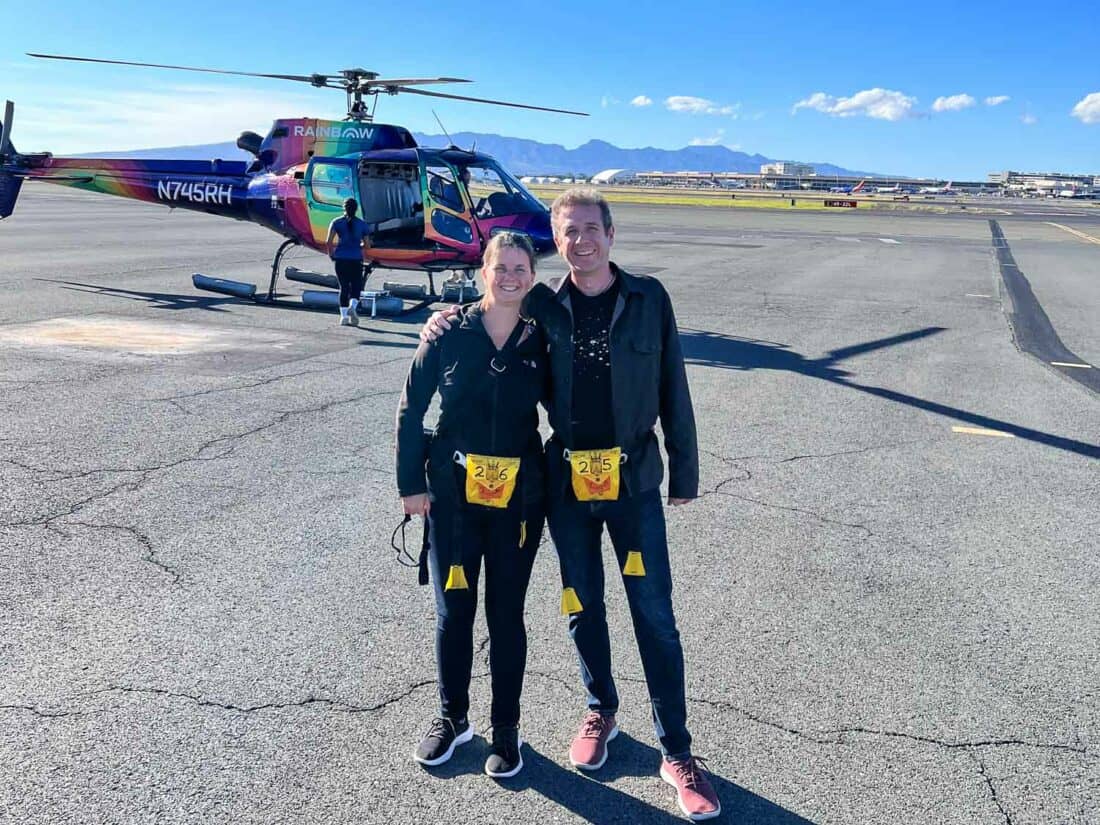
(522, 533)
(634, 565)
(569, 602)
(457, 579)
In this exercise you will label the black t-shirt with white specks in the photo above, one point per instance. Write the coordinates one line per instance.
(593, 416)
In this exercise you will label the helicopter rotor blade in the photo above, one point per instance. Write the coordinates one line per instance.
(412, 81)
(316, 80)
(5, 131)
(486, 100)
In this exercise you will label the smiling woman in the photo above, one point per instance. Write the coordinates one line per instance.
(478, 481)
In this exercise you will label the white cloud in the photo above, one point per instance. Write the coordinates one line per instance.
(1028, 119)
(881, 104)
(1087, 109)
(713, 140)
(607, 101)
(699, 106)
(997, 100)
(954, 103)
(170, 116)
(641, 100)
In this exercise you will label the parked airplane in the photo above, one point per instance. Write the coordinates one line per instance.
(890, 190)
(938, 190)
(848, 189)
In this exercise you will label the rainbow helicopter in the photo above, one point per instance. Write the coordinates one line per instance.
(431, 210)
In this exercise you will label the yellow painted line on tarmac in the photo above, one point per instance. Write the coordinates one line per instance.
(1068, 364)
(1072, 231)
(981, 431)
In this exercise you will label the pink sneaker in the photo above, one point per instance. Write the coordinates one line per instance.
(694, 793)
(589, 749)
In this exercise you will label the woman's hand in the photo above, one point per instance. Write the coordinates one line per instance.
(418, 505)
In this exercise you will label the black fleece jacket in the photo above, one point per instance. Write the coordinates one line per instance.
(482, 410)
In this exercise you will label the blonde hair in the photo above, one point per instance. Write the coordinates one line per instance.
(510, 240)
(580, 196)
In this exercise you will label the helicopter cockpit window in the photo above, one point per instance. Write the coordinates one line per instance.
(332, 183)
(443, 189)
(494, 192)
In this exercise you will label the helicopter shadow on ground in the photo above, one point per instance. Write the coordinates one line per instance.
(159, 300)
(590, 797)
(712, 349)
(213, 303)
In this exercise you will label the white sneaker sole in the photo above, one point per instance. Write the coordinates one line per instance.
(606, 752)
(693, 817)
(461, 739)
(514, 771)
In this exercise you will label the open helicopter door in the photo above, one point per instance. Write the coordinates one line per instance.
(448, 219)
(329, 182)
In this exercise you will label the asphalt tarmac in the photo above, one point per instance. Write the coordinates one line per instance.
(886, 591)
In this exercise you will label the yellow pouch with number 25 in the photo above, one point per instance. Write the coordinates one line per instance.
(490, 479)
(595, 474)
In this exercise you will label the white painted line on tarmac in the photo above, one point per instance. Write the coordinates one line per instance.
(846, 239)
(1072, 231)
(976, 295)
(1067, 364)
(981, 431)
(888, 240)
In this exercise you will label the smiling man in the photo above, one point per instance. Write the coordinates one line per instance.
(616, 367)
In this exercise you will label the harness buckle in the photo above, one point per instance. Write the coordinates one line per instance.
(497, 368)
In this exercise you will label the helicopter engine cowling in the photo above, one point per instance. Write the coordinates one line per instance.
(250, 142)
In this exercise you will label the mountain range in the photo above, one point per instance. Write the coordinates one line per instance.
(531, 157)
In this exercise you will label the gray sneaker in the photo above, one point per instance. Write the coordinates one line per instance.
(505, 758)
(439, 743)
(353, 314)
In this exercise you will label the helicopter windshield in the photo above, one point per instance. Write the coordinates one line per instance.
(494, 192)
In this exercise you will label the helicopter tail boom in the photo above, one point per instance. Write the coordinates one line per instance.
(217, 187)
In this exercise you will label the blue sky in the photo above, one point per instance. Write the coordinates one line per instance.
(887, 87)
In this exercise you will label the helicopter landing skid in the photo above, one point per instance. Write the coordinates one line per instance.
(243, 289)
(283, 247)
(393, 300)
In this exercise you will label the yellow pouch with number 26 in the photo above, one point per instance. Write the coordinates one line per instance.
(595, 474)
(490, 479)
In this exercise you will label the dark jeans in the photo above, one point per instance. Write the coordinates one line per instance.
(493, 535)
(350, 275)
(636, 523)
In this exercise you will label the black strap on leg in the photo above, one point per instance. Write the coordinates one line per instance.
(422, 562)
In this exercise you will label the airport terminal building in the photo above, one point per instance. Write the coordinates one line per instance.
(788, 176)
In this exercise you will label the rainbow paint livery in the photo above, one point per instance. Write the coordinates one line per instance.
(430, 209)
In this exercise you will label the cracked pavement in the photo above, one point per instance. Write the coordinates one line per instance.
(883, 621)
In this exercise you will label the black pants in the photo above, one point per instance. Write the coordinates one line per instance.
(350, 275)
(494, 535)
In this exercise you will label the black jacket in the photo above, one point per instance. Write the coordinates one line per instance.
(482, 411)
(648, 379)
